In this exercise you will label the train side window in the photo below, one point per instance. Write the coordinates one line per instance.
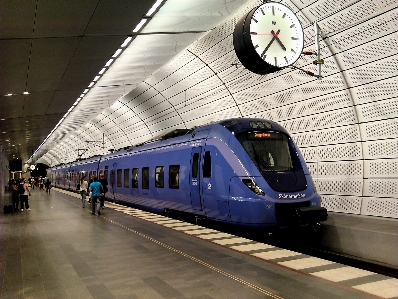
(159, 176)
(195, 168)
(174, 176)
(134, 177)
(207, 165)
(119, 178)
(127, 178)
(145, 177)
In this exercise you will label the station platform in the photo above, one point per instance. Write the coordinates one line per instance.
(367, 238)
(60, 250)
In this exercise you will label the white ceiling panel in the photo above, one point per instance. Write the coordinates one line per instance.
(198, 15)
(175, 64)
(164, 123)
(122, 117)
(14, 65)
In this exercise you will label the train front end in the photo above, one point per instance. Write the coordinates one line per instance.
(280, 179)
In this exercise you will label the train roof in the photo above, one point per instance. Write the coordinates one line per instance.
(235, 125)
(243, 124)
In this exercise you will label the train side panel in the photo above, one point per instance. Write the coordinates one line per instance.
(155, 197)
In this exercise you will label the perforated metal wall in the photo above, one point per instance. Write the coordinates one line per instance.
(345, 124)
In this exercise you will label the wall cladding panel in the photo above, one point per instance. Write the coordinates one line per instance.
(387, 169)
(341, 170)
(155, 119)
(380, 187)
(385, 207)
(345, 186)
(341, 117)
(349, 133)
(379, 90)
(200, 99)
(345, 204)
(377, 70)
(378, 110)
(381, 149)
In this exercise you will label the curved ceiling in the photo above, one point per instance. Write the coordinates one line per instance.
(181, 70)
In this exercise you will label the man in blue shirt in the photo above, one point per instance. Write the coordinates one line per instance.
(96, 190)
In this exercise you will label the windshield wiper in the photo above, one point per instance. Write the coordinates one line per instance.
(260, 161)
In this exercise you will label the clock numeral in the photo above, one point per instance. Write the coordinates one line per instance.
(273, 11)
(256, 46)
(276, 63)
(294, 38)
(262, 11)
(254, 20)
(273, 23)
(284, 15)
(293, 51)
(291, 26)
(287, 61)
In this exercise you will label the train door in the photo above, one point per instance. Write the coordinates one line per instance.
(194, 180)
(134, 181)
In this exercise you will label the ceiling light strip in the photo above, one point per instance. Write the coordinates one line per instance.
(155, 8)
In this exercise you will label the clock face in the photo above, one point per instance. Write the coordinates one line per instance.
(276, 34)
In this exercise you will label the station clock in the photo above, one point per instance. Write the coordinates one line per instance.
(268, 38)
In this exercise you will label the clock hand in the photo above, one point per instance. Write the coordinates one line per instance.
(255, 33)
(278, 40)
(271, 41)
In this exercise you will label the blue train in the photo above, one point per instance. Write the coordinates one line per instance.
(245, 171)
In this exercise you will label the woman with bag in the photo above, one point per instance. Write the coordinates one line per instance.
(14, 192)
(83, 190)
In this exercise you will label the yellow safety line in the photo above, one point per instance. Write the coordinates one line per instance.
(261, 290)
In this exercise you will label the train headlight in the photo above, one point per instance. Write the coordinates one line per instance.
(253, 186)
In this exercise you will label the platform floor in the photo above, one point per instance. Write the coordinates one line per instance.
(60, 250)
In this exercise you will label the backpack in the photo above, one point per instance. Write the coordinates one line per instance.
(21, 188)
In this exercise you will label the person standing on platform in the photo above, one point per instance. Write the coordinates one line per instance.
(14, 194)
(24, 197)
(47, 184)
(83, 190)
(88, 191)
(104, 183)
(96, 190)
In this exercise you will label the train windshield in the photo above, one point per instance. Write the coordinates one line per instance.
(269, 151)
